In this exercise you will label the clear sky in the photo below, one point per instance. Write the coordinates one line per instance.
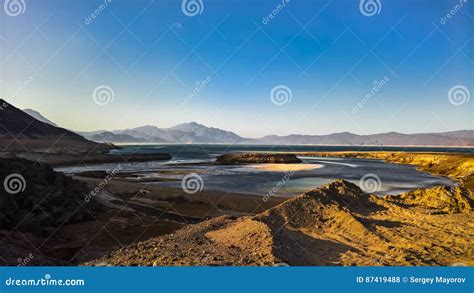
(328, 53)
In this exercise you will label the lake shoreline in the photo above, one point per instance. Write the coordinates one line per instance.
(146, 201)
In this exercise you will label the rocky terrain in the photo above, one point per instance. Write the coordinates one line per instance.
(36, 202)
(257, 158)
(38, 199)
(11, 253)
(336, 224)
(442, 199)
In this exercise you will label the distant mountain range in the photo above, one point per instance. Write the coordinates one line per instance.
(198, 133)
(455, 138)
(188, 133)
(183, 133)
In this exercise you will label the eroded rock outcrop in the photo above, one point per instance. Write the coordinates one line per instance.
(456, 199)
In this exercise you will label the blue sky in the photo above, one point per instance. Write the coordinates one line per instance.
(329, 54)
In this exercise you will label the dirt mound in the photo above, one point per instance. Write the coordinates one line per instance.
(274, 236)
(336, 224)
(257, 158)
(328, 207)
(34, 198)
(447, 199)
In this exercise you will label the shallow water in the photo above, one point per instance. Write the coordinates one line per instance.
(373, 176)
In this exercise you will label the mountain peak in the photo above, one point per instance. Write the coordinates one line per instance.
(38, 116)
(189, 124)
